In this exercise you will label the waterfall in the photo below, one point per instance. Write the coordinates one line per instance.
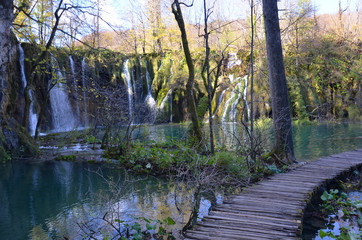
(151, 103)
(22, 68)
(129, 89)
(233, 60)
(218, 104)
(245, 96)
(232, 115)
(33, 117)
(85, 104)
(232, 112)
(162, 105)
(75, 85)
(62, 113)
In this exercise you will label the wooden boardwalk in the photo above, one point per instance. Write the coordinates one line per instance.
(273, 208)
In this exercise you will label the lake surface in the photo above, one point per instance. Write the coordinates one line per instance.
(310, 141)
(47, 200)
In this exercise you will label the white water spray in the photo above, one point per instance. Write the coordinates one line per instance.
(218, 104)
(33, 117)
(75, 85)
(62, 113)
(245, 95)
(149, 98)
(129, 88)
(85, 104)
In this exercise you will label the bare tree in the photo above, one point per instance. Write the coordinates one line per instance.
(196, 127)
(251, 75)
(207, 13)
(283, 140)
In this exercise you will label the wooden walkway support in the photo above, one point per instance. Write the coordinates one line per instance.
(273, 208)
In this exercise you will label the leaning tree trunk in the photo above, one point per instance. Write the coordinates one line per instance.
(283, 142)
(196, 127)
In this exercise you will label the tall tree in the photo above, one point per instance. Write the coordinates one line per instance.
(251, 75)
(154, 18)
(196, 127)
(207, 50)
(283, 140)
(6, 20)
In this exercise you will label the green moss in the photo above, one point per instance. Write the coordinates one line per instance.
(203, 107)
(65, 158)
(28, 146)
(4, 155)
(354, 113)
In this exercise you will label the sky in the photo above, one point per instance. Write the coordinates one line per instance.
(117, 12)
(331, 6)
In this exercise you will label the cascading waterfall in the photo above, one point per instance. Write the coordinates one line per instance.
(85, 104)
(218, 104)
(149, 98)
(245, 96)
(127, 76)
(168, 95)
(162, 105)
(22, 68)
(75, 85)
(33, 117)
(62, 113)
(232, 112)
(227, 106)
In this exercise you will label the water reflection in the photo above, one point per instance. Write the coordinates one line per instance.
(310, 141)
(314, 141)
(49, 200)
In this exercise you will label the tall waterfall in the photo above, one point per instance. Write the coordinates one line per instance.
(75, 85)
(232, 112)
(245, 96)
(33, 117)
(85, 104)
(218, 104)
(62, 113)
(22, 68)
(162, 105)
(151, 103)
(129, 89)
(232, 115)
(168, 96)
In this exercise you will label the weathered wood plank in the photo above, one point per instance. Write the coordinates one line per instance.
(273, 208)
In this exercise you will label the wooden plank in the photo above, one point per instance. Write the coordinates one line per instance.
(273, 208)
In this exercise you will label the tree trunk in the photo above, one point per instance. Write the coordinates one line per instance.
(6, 20)
(176, 10)
(252, 147)
(206, 16)
(283, 142)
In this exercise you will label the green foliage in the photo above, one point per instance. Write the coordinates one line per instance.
(65, 158)
(203, 107)
(339, 204)
(354, 113)
(142, 228)
(322, 76)
(4, 155)
(230, 162)
(173, 157)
